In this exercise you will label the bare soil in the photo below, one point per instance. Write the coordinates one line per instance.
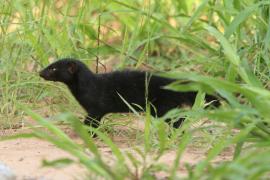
(24, 157)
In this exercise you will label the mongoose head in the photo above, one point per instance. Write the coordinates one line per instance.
(62, 70)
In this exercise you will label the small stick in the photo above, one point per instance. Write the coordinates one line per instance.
(98, 43)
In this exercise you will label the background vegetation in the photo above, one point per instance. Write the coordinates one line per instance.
(220, 46)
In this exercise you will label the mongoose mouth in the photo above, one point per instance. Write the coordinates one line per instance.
(41, 74)
(45, 75)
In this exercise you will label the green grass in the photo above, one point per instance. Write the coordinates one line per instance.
(219, 46)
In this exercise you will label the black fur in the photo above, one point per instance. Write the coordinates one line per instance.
(98, 94)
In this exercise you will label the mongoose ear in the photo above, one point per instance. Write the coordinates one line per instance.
(72, 67)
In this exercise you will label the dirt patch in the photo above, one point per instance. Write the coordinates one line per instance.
(24, 157)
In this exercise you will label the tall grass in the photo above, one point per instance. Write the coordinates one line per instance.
(219, 46)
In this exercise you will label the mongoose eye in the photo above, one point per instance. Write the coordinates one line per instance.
(53, 69)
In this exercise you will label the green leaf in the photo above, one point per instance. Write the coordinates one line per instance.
(59, 163)
(229, 50)
(88, 30)
(82, 131)
(196, 14)
(181, 148)
(115, 150)
(241, 17)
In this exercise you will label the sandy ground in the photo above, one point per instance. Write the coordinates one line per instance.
(24, 157)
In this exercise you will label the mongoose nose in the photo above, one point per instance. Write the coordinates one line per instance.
(41, 74)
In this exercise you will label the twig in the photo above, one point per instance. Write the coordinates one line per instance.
(98, 43)
(105, 69)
